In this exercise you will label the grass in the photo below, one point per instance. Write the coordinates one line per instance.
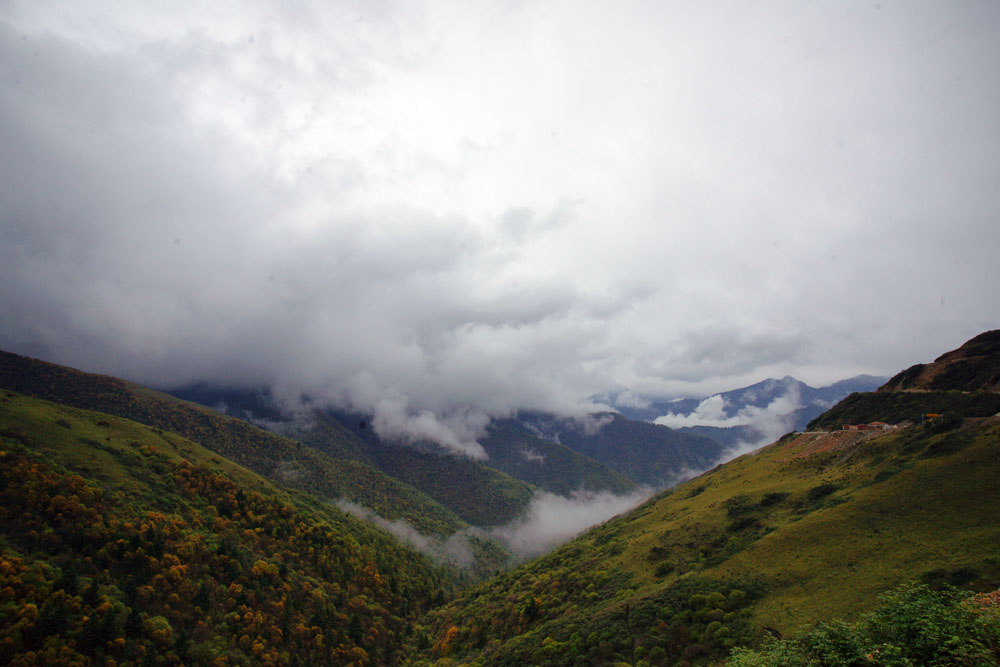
(818, 537)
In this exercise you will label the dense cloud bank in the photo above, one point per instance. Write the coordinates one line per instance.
(438, 214)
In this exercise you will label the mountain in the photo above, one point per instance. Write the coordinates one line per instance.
(811, 401)
(277, 458)
(759, 413)
(187, 540)
(547, 464)
(478, 494)
(960, 384)
(646, 453)
(484, 493)
(810, 528)
(126, 544)
(975, 366)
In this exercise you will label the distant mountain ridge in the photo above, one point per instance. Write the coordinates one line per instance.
(760, 412)
(759, 395)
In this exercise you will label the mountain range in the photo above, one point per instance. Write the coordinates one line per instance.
(137, 527)
(756, 414)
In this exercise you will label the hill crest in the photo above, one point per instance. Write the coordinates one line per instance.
(975, 366)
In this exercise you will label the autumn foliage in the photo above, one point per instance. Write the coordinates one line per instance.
(218, 575)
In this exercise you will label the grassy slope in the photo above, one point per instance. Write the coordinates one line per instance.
(175, 548)
(905, 505)
(975, 366)
(935, 512)
(904, 406)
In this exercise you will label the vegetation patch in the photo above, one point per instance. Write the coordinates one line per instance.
(697, 490)
(897, 407)
(820, 491)
(914, 626)
(95, 572)
(773, 498)
(948, 444)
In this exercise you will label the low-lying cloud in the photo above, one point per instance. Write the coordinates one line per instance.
(551, 520)
(763, 425)
(455, 550)
(713, 412)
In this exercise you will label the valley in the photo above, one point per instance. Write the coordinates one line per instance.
(139, 527)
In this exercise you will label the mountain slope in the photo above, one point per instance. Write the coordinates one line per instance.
(546, 464)
(275, 457)
(121, 543)
(975, 366)
(792, 535)
(959, 384)
(477, 493)
(480, 492)
(812, 527)
(644, 452)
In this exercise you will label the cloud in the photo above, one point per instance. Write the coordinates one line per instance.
(438, 214)
(551, 519)
(532, 455)
(455, 550)
(715, 411)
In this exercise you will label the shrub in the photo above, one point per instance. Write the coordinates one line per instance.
(773, 498)
(820, 491)
(915, 625)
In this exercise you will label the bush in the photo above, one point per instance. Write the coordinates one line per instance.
(915, 626)
(821, 491)
(773, 498)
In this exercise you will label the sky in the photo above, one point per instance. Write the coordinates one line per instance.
(439, 212)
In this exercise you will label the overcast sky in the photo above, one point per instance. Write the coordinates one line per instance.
(444, 210)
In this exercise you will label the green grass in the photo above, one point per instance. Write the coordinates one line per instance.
(814, 538)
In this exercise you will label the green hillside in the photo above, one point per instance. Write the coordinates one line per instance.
(644, 452)
(906, 406)
(124, 544)
(810, 528)
(546, 464)
(477, 494)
